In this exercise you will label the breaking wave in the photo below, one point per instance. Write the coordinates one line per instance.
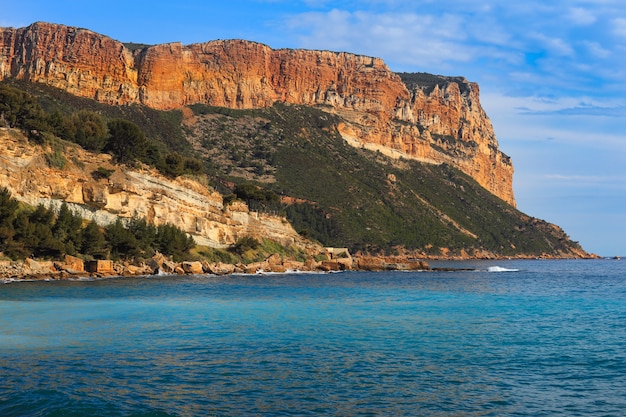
(500, 269)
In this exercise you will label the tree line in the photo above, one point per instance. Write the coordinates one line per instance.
(120, 137)
(43, 233)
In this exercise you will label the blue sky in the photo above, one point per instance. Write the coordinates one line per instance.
(552, 76)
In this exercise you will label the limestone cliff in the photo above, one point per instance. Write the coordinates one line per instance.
(128, 192)
(442, 124)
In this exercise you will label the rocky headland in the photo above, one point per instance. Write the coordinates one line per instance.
(437, 121)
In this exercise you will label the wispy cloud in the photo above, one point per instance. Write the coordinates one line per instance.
(551, 44)
(545, 106)
(596, 49)
(588, 179)
(407, 38)
(581, 16)
(581, 110)
(619, 27)
(573, 48)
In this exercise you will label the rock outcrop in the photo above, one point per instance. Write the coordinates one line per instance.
(445, 124)
(189, 205)
(75, 268)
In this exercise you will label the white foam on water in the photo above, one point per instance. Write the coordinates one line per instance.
(500, 269)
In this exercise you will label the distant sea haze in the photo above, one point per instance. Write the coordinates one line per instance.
(524, 338)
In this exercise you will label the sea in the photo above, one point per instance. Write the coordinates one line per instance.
(507, 338)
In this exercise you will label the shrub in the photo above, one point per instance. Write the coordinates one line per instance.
(102, 173)
(173, 241)
(90, 130)
(126, 141)
(245, 244)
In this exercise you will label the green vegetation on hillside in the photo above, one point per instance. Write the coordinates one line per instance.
(291, 160)
(361, 199)
(43, 233)
(130, 133)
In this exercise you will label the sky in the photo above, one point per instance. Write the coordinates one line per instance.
(552, 75)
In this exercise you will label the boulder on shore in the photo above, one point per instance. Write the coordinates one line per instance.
(193, 268)
(219, 268)
(390, 263)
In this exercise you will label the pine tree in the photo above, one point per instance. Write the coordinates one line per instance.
(126, 141)
(67, 229)
(93, 241)
(122, 243)
(8, 211)
(91, 130)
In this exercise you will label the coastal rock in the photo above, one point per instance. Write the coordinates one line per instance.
(256, 267)
(105, 266)
(440, 123)
(392, 263)
(280, 269)
(40, 267)
(330, 265)
(370, 263)
(168, 267)
(274, 259)
(345, 264)
(194, 268)
(131, 270)
(294, 266)
(154, 266)
(73, 263)
(220, 268)
(142, 192)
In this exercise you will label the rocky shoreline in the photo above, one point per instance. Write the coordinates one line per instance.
(75, 268)
(72, 268)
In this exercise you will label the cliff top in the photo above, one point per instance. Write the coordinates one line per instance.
(338, 104)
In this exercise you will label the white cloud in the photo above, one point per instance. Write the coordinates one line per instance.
(580, 16)
(596, 49)
(619, 27)
(612, 181)
(581, 121)
(553, 44)
(405, 38)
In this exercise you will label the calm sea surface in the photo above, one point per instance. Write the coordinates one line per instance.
(528, 338)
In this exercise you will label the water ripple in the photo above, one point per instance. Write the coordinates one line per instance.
(533, 342)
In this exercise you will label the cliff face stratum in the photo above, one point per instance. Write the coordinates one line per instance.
(440, 123)
(187, 204)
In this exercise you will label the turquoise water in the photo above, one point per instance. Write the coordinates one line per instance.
(530, 338)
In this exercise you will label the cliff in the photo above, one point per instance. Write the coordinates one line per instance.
(191, 206)
(380, 110)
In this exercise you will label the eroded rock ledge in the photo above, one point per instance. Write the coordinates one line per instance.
(193, 207)
(75, 268)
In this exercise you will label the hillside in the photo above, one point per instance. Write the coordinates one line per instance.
(330, 191)
(346, 196)
(441, 123)
(373, 161)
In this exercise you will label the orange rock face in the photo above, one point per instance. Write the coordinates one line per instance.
(445, 125)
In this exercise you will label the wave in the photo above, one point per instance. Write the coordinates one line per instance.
(294, 272)
(500, 269)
